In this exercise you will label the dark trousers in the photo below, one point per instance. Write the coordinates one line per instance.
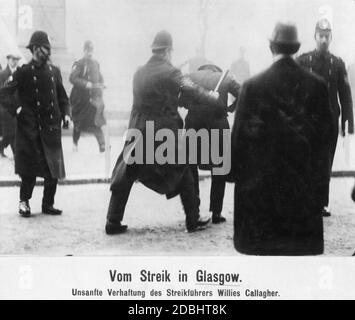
(187, 192)
(7, 141)
(50, 188)
(98, 133)
(333, 147)
(218, 187)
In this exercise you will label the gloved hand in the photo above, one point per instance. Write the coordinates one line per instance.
(214, 94)
(187, 82)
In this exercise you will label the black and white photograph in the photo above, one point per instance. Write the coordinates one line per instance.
(176, 128)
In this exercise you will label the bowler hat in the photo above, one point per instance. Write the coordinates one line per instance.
(285, 33)
(40, 39)
(162, 40)
(285, 37)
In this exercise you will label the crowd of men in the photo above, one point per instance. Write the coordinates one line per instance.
(282, 143)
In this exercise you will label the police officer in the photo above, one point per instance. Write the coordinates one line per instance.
(156, 90)
(332, 69)
(87, 97)
(42, 104)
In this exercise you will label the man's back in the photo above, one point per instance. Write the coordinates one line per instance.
(155, 89)
(277, 144)
(241, 70)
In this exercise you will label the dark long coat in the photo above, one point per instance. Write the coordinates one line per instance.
(40, 93)
(207, 116)
(280, 150)
(87, 104)
(8, 122)
(332, 69)
(156, 89)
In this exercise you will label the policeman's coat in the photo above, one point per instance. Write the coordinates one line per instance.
(8, 122)
(207, 116)
(279, 147)
(40, 93)
(156, 90)
(87, 104)
(332, 69)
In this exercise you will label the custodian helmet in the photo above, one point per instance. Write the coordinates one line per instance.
(40, 39)
(162, 40)
(323, 25)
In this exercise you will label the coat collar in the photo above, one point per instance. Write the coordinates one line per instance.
(284, 60)
(155, 59)
(37, 66)
(318, 54)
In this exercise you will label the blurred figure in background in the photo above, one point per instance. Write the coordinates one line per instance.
(240, 68)
(212, 117)
(86, 98)
(195, 62)
(332, 69)
(8, 123)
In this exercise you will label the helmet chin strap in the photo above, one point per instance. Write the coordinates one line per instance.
(42, 59)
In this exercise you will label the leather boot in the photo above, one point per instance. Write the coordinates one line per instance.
(217, 218)
(115, 228)
(51, 211)
(24, 209)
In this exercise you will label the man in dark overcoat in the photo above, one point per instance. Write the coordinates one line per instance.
(280, 143)
(42, 105)
(86, 97)
(156, 90)
(332, 69)
(8, 122)
(212, 117)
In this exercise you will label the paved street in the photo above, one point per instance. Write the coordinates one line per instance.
(156, 226)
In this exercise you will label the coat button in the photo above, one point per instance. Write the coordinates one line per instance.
(37, 91)
(53, 79)
(38, 103)
(52, 104)
(35, 78)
